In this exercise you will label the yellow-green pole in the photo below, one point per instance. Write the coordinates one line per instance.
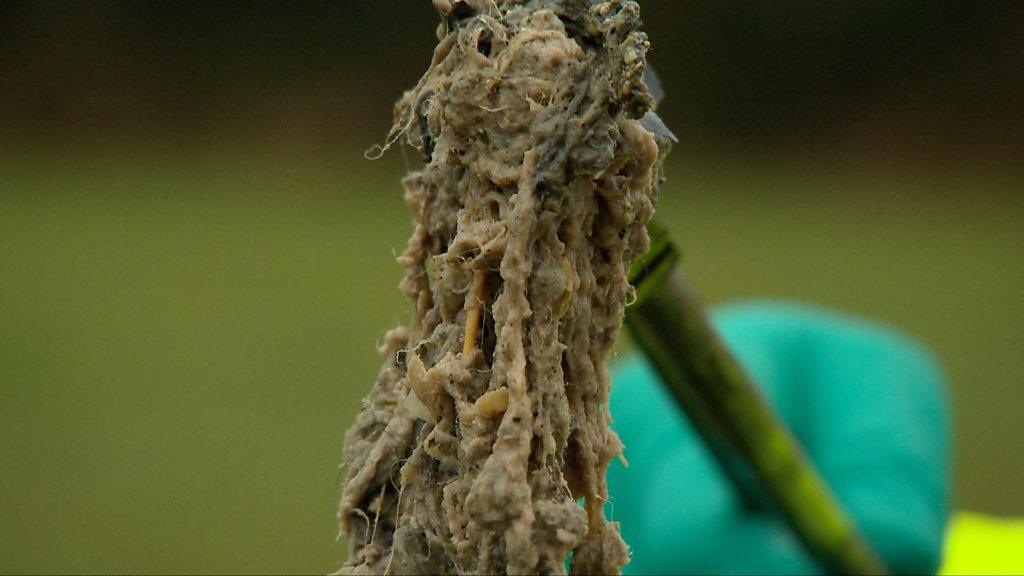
(754, 447)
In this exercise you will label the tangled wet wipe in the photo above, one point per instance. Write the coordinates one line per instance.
(483, 445)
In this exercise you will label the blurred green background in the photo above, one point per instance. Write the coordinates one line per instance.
(196, 264)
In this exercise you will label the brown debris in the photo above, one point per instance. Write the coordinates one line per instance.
(490, 415)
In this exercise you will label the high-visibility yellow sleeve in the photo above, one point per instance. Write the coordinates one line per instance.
(979, 544)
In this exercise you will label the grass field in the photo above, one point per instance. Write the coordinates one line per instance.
(183, 340)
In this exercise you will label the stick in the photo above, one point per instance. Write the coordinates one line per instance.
(475, 308)
(756, 450)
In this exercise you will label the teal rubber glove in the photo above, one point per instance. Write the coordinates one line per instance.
(869, 407)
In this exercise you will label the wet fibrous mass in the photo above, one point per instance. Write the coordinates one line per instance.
(483, 445)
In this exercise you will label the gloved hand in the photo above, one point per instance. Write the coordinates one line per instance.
(867, 404)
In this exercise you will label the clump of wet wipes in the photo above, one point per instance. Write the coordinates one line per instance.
(482, 447)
